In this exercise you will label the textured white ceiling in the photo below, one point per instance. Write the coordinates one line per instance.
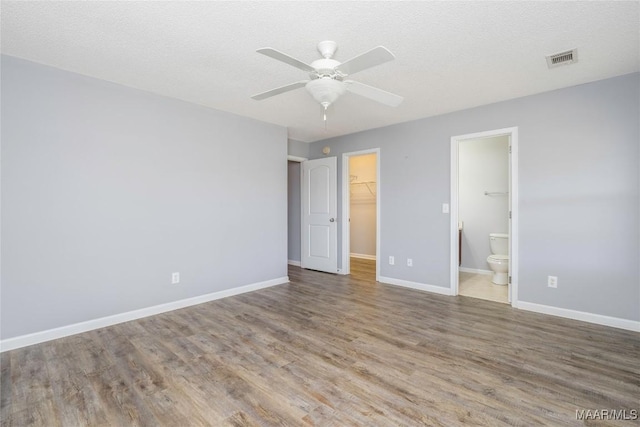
(449, 55)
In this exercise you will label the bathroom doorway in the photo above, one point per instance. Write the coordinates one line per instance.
(361, 212)
(483, 215)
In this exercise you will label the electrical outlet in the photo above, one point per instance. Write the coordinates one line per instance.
(552, 281)
(445, 208)
(175, 278)
(392, 260)
(409, 262)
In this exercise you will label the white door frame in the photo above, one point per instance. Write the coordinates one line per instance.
(512, 132)
(296, 159)
(346, 225)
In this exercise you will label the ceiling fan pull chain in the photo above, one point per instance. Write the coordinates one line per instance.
(324, 114)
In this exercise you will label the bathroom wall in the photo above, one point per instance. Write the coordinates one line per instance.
(363, 206)
(483, 166)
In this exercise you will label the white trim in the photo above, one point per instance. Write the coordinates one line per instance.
(599, 319)
(415, 285)
(345, 238)
(346, 250)
(512, 132)
(454, 254)
(292, 262)
(514, 230)
(77, 328)
(362, 256)
(474, 270)
(297, 159)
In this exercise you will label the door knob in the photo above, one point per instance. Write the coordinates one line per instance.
(332, 219)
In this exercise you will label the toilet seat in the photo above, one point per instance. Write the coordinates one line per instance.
(498, 258)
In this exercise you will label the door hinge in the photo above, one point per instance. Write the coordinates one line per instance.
(509, 214)
(509, 149)
(509, 279)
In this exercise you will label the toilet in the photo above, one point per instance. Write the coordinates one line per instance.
(499, 260)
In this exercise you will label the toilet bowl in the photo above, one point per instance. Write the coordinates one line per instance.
(499, 264)
(499, 259)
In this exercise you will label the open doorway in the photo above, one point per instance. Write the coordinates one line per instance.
(361, 213)
(294, 209)
(484, 232)
(483, 218)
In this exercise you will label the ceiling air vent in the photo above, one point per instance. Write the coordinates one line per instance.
(562, 58)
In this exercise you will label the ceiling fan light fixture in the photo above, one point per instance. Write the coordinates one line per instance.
(325, 90)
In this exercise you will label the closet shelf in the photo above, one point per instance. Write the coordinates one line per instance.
(369, 185)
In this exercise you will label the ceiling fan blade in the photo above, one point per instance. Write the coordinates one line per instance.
(280, 90)
(276, 54)
(379, 95)
(376, 56)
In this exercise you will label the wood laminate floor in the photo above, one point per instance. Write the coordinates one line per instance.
(327, 350)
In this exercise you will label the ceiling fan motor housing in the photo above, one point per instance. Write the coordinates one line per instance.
(325, 68)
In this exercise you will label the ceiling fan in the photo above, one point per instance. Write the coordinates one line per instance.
(327, 82)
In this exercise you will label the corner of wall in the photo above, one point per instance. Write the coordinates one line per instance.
(297, 148)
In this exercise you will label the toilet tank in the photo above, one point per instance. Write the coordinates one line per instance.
(499, 243)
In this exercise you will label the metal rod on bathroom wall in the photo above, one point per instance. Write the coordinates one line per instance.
(496, 193)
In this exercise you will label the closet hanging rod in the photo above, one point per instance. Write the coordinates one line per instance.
(496, 193)
(366, 183)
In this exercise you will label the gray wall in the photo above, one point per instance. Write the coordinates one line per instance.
(483, 165)
(297, 148)
(579, 193)
(107, 190)
(294, 211)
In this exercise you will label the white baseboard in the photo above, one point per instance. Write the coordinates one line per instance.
(474, 270)
(292, 262)
(615, 322)
(362, 256)
(415, 285)
(77, 328)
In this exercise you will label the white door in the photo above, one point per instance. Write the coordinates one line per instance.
(319, 215)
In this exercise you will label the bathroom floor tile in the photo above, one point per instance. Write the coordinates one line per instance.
(480, 286)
